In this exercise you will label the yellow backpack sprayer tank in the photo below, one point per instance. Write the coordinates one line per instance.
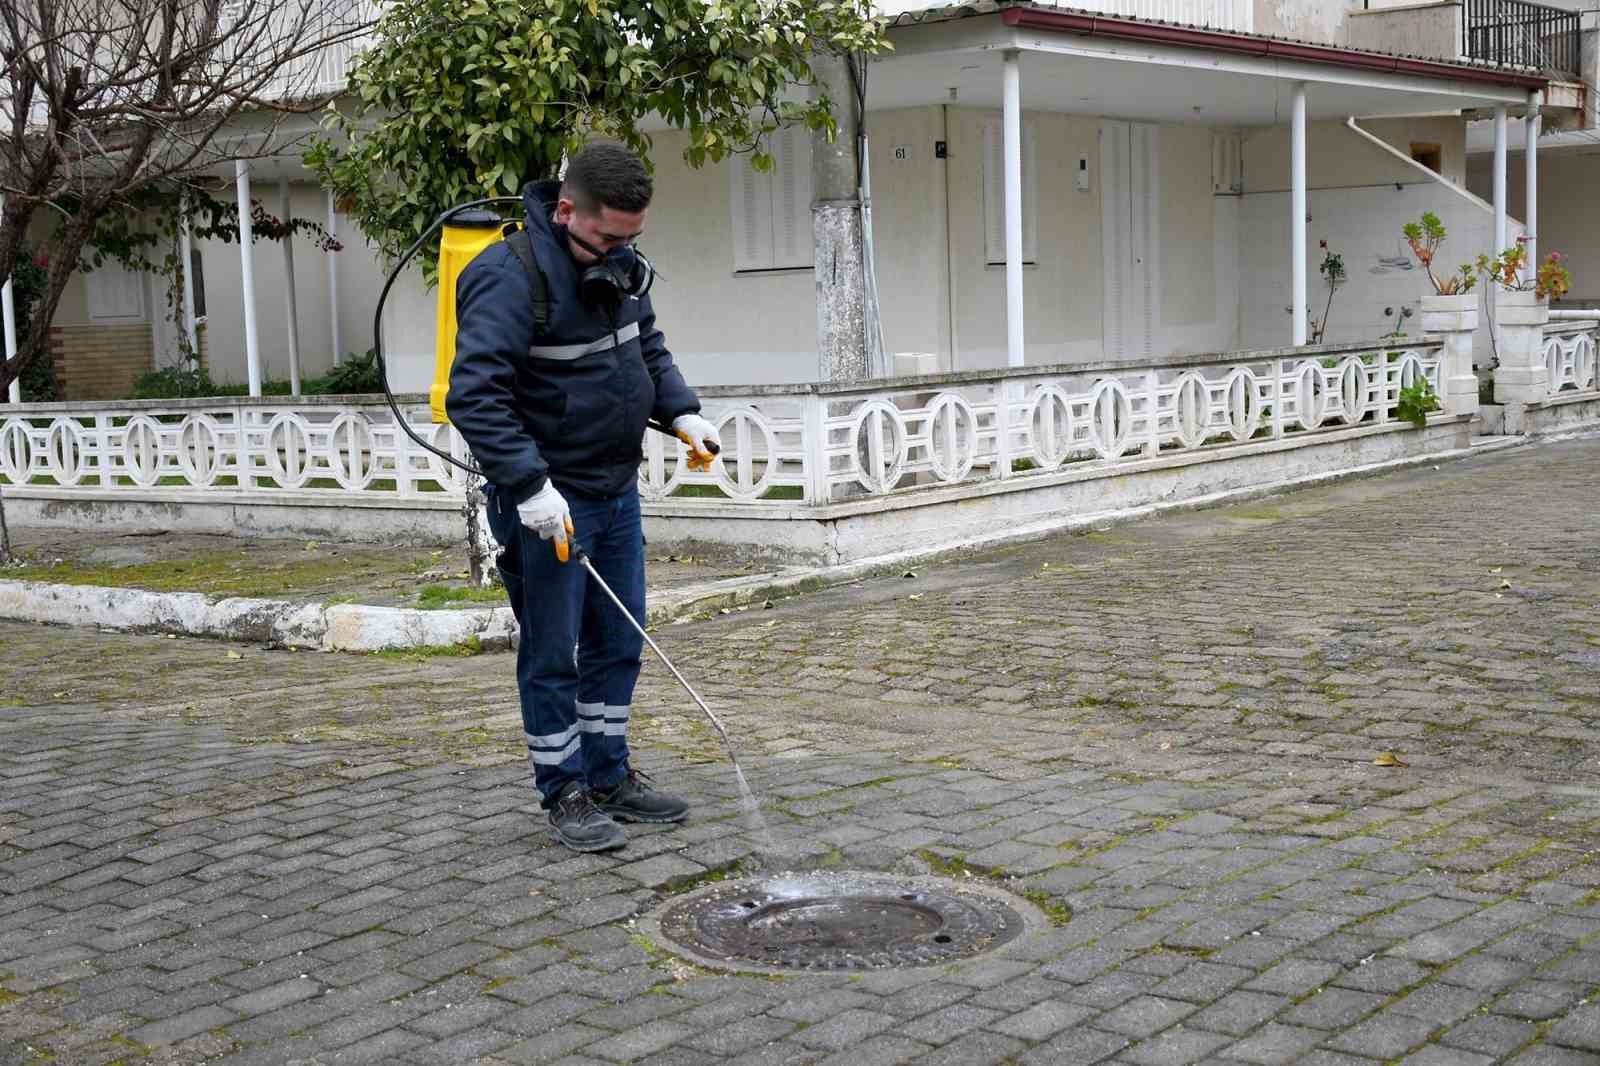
(465, 235)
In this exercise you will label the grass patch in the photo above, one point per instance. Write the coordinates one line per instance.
(223, 573)
(444, 597)
(1058, 913)
(712, 492)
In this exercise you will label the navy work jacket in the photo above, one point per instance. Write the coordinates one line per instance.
(571, 404)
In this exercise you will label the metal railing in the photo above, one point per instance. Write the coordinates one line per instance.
(1517, 33)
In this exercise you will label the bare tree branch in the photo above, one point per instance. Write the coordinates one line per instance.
(103, 98)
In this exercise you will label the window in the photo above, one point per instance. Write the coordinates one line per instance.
(115, 294)
(197, 266)
(1426, 154)
(772, 211)
(994, 194)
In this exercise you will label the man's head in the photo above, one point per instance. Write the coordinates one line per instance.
(603, 199)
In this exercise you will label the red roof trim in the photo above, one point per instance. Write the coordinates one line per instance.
(1222, 41)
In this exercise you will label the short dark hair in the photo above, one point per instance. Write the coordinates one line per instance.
(607, 175)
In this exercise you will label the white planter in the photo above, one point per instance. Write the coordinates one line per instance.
(1520, 308)
(1450, 314)
(1522, 377)
(1454, 320)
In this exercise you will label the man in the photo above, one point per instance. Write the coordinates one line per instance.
(555, 417)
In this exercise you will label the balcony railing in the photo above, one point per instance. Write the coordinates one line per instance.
(1521, 34)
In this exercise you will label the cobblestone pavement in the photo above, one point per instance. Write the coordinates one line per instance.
(1164, 734)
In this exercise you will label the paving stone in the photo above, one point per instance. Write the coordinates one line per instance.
(1545, 1055)
(181, 1026)
(1492, 1034)
(1139, 1018)
(1386, 1035)
(1276, 1045)
(845, 1029)
(1434, 1055)
(941, 1026)
(1192, 780)
(1043, 1020)
(1333, 1008)
(640, 1041)
(1579, 1029)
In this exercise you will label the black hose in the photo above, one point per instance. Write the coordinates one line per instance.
(377, 328)
(377, 321)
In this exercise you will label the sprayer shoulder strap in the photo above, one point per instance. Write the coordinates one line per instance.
(522, 245)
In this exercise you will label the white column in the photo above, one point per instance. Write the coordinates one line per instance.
(9, 307)
(285, 212)
(1297, 210)
(1530, 159)
(333, 283)
(252, 352)
(1012, 127)
(186, 250)
(1499, 181)
(8, 311)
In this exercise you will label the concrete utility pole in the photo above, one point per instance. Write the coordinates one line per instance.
(836, 229)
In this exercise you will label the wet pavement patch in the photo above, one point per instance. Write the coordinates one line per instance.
(839, 921)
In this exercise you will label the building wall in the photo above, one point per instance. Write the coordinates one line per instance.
(1569, 218)
(224, 285)
(1318, 21)
(1358, 199)
(1219, 262)
(99, 362)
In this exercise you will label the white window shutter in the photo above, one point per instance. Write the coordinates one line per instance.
(1115, 220)
(994, 194)
(1030, 197)
(793, 237)
(115, 294)
(1145, 186)
(751, 201)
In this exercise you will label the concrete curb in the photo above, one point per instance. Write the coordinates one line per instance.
(353, 627)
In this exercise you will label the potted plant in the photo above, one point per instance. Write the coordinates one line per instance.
(1450, 314)
(1521, 309)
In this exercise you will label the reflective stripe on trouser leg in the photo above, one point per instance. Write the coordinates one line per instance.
(552, 749)
(547, 674)
(608, 646)
(599, 718)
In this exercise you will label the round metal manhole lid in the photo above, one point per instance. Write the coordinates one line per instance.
(838, 921)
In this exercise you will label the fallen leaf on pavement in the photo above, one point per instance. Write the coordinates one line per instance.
(1389, 758)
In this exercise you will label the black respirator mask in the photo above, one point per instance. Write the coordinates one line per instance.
(620, 272)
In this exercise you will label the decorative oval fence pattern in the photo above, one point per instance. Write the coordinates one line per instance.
(782, 445)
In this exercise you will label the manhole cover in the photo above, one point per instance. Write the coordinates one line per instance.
(840, 922)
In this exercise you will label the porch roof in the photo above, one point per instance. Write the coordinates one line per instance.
(1091, 63)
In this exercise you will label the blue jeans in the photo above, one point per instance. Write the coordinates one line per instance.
(575, 706)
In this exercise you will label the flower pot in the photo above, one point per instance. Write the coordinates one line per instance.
(1450, 314)
(1520, 308)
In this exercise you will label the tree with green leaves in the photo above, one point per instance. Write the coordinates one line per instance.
(458, 101)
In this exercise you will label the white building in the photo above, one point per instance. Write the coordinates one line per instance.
(1156, 178)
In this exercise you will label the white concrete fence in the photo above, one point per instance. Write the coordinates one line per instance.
(783, 445)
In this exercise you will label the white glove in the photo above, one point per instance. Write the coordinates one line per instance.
(546, 513)
(701, 437)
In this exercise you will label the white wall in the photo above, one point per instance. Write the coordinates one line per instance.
(1568, 212)
(225, 309)
(1359, 198)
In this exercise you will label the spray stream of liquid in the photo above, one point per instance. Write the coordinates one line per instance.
(752, 806)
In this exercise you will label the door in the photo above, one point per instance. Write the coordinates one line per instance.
(1130, 238)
